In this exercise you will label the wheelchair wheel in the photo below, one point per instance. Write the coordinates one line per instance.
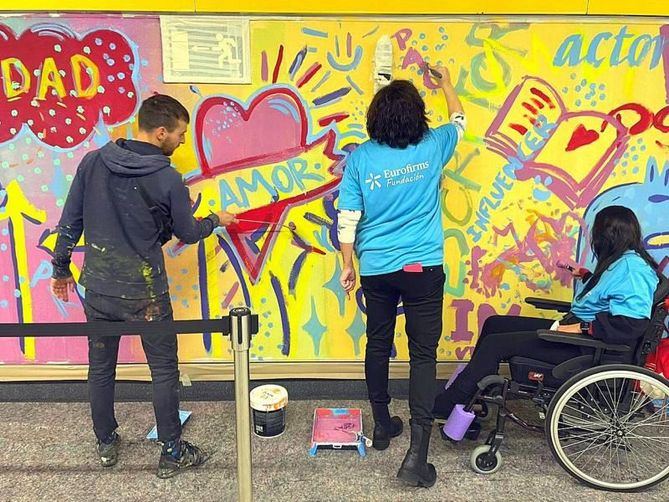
(483, 462)
(608, 427)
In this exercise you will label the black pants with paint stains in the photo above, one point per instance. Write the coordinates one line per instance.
(422, 295)
(161, 355)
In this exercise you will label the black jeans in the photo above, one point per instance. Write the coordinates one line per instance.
(502, 337)
(422, 295)
(161, 355)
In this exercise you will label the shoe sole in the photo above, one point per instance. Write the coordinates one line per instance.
(412, 479)
(108, 463)
(170, 474)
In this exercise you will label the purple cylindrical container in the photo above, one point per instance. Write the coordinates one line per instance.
(458, 422)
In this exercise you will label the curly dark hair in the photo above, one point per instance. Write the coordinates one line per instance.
(396, 117)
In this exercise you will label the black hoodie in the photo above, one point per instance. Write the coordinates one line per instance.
(124, 256)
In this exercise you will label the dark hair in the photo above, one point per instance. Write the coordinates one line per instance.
(161, 111)
(396, 117)
(615, 230)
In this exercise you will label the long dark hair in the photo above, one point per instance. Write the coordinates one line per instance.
(615, 231)
(396, 117)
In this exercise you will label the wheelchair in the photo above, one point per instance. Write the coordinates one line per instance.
(606, 417)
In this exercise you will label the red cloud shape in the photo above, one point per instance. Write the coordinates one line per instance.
(59, 84)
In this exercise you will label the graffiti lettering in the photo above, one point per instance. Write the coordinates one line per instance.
(645, 119)
(489, 71)
(533, 140)
(16, 78)
(60, 85)
(574, 50)
(283, 179)
(456, 197)
(463, 332)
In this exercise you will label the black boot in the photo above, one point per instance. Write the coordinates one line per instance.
(415, 470)
(385, 427)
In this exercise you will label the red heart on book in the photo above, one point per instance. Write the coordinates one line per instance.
(581, 137)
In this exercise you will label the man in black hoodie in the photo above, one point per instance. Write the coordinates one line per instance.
(129, 201)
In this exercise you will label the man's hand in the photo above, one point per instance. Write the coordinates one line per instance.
(226, 218)
(347, 279)
(570, 328)
(60, 287)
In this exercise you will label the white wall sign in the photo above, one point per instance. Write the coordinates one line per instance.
(205, 49)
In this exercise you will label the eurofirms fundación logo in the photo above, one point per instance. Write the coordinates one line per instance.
(400, 176)
(373, 181)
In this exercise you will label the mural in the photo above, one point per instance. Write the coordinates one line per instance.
(564, 118)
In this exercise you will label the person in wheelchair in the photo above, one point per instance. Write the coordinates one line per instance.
(613, 304)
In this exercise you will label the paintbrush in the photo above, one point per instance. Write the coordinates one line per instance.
(291, 226)
(433, 72)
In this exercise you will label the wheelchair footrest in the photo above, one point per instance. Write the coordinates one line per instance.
(472, 434)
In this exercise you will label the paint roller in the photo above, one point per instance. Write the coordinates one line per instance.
(383, 63)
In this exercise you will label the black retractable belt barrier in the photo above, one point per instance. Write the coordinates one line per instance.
(243, 326)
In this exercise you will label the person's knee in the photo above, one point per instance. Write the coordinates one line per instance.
(379, 347)
(423, 352)
(101, 363)
(165, 373)
(101, 376)
(489, 325)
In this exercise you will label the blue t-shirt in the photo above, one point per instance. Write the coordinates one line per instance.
(625, 288)
(397, 191)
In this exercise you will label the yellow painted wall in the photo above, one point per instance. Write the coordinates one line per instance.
(269, 7)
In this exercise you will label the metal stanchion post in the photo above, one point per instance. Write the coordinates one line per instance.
(240, 335)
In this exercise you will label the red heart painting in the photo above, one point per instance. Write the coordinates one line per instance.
(228, 136)
(581, 137)
(274, 127)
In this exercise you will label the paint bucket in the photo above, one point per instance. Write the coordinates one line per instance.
(268, 404)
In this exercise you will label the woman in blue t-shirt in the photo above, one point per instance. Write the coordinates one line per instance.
(613, 304)
(389, 207)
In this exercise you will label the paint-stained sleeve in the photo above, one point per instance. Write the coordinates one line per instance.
(71, 224)
(186, 227)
